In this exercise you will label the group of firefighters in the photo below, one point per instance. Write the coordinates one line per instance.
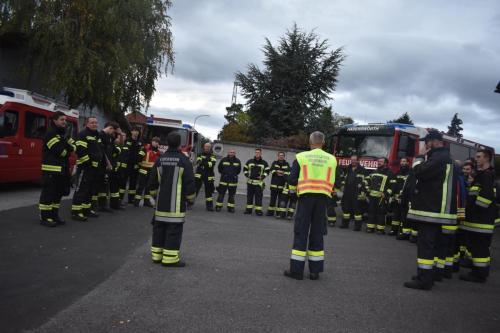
(108, 163)
(450, 213)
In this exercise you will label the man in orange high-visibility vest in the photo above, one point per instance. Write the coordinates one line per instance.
(314, 174)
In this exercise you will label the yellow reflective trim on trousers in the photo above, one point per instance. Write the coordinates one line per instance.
(95, 164)
(156, 249)
(425, 261)
(315, 253)
(449, 227)
(53, 168)
(487, 259)
(299, 253)
(55, 205)
(170, 214)
(44, 207)
(479, 225)
(52, 142)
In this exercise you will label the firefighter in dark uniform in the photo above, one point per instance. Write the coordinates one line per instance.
(229, 168)
(135, 155)
(433, 204)
(57, 147)
(107, 140)
(314, 174)
(256, 170)
(480, 215)
(280, 169)
(462, 254)
(353, 184)
(288, 202)
(379, 193)
(398, 182)
(118, 172)
(204, 175)
(152, 152)
(403, 204)
(123, 160)
(173, 179)
(89, 158)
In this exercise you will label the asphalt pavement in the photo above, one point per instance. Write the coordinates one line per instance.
(98, 277)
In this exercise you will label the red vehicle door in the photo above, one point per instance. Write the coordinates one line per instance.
(10, 149)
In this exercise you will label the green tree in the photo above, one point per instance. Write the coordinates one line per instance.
(237, 127)
(454, 129)
(288, 96)
(403, 119)
(103, 53)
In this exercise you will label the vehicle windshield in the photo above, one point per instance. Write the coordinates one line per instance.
(363, 145)
(163, 131)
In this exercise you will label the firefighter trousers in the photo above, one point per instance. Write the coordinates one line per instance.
(479, 246)
(142, 181)
(114, 190)
(275, 199)
(231, 191)
(254, 197)
(209, 189)
(287, 205)
(376, 214)
(50, 196)
(331, 212)
(309, 229)
(166, 242)
(352, 208)
(428, 244)
(82, 198)
(102, 192)
(131, 178)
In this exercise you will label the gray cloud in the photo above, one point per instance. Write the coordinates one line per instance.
(429, 58)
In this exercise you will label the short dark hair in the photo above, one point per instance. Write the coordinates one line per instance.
(90, 117)
(468, 164)
(259, 149)
(57, 115)
(173, 140)
(486, 153)
(281, 152)
(155, 138)
(113, 124)
(403, 158)
(136, 128)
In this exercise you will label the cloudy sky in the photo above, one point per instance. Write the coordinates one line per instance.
(428, 58)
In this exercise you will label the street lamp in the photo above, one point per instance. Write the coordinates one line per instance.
(196, 118)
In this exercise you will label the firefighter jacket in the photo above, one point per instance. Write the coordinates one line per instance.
(205, 164)
(172, 179)
(229, 169)
(56, 150)
(256, 170)
(88, 149)
(434, 197)
(354, 182)
(151, 154)
(398, 181)
(280, 170)
(480, 210)
(134, 152)
(314, 173)
(379, 183)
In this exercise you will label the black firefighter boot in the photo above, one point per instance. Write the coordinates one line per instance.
(345, 223)
(210, 206)
(357, 225)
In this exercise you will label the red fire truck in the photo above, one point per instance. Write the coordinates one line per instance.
(154, 126)
(393, 141)
(24, 118)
